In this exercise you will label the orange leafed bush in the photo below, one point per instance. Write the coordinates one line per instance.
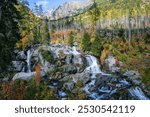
(10, 92)
(60, 34)
(38, 74)
(7, 90)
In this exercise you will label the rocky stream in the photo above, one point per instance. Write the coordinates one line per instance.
(62, 63)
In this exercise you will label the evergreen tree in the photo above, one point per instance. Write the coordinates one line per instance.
(46, 32)
(86, 42)
(9, 31)
(71, 39)
(96, 46)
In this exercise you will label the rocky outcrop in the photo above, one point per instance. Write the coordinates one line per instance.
(112, 65)
(133, 76)
(67, 70)
(24, 76)
(68, 9)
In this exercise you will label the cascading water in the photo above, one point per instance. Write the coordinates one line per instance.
(74, 51)
(107, 90)
(138, 93)
(29, 55)
(101, 85)
(93, 68)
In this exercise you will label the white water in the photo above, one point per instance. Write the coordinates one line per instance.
(94, 68)
(74, 51)
(62, 93)
(137, 92)
(29, 55)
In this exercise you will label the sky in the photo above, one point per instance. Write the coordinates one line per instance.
(48, 4)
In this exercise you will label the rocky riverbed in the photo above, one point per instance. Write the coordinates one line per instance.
(63, 67)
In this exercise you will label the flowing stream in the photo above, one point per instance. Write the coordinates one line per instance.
(106, 91)
(101, 86)
(29, 55)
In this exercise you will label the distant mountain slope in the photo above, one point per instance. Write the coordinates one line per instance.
(66, 9)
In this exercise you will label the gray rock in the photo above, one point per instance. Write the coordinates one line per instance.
(68, 59)
(84, 77)
(71, 69)
(69, 85)
(100, 81)
(110, 63)
(67, 78)
(6, 79)
(17, 66)
(80, 62)
(21, 56)
(133, 76)
(24, 76)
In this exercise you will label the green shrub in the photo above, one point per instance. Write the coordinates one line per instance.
(79, 84)
(47, 55)
(146, 76)
(86, 42)
(41, 92)
(19, 90)
(124, 57)
(71, 38)
(96, 46)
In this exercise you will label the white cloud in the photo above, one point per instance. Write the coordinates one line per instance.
(44, 3)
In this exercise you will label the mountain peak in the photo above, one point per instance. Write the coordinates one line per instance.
(66, 9)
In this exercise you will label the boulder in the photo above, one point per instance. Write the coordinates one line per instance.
(110, 63)
(69, 85)
(21, 56)
(24, 76)
(80, 62)
(17, 66)
(133, 76)
(84, 77)
(68, 59)
(70, 69)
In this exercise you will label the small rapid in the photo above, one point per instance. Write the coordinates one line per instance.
(29, 55)
(109, 86)
(138, 93)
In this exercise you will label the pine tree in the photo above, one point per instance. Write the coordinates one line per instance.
(71, 39)
(86, 42)
(96, 46)
(46, 32)
(9, 31)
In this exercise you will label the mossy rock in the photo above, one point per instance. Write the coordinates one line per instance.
(79, 84)
(61, 54)
(47, 55)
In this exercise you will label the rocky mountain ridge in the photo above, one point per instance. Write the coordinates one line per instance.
(66, 9)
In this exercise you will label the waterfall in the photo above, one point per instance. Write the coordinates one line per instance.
(74, 51)
(106, 91)
(29, 55)
(138, 93)
(93, 67)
